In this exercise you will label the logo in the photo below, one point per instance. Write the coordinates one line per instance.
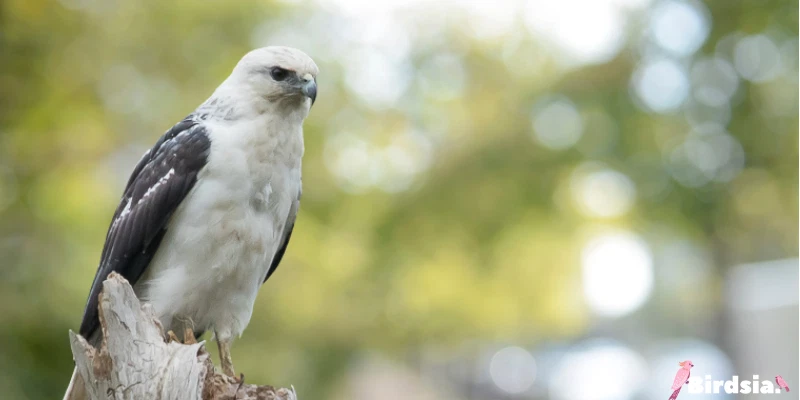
(736, 386)
(681, 377)
(733, 386)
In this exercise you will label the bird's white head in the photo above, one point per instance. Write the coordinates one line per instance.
(284, 77)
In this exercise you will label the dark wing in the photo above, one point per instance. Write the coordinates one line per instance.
(158, 184)
(287, 234)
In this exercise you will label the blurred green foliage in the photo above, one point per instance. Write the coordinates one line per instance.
(485, 244)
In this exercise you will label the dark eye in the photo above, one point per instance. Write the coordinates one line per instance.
(278, 73)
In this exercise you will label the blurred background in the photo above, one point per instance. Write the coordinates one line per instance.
(502, 200)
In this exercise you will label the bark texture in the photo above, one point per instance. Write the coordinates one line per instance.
(137, 361)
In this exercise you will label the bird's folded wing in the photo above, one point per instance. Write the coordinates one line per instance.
(287, 234)
(157, 186)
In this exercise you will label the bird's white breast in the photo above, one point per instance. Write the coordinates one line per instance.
(220, 242)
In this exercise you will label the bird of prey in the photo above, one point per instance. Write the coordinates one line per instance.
(681, 377)
(782, 383)
(208, 211)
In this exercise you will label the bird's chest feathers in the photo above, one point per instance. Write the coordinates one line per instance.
(245, 193)
(258, 165)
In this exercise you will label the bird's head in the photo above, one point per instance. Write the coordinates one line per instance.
(686, 364)
(278, 74)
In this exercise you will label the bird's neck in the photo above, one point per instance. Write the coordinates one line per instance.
(263, 128)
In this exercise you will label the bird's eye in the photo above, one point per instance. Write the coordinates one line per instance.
(278, 73)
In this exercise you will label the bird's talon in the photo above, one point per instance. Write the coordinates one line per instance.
(240, 379)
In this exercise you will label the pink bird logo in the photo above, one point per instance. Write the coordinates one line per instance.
(782, 383)
(681, 377)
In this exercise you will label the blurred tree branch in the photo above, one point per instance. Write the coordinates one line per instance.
(136, 362)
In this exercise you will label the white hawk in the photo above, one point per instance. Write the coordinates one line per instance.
(208, 212)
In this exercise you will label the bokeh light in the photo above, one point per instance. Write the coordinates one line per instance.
(714, 81)
(593, 34)
(598, 370)
(708, 154)
(617, 273)
(680, 27)
(757, 58)
(557, 124)
(661, 85)
(513, 369)
(443, 77)
(376, 78)
(602, 192)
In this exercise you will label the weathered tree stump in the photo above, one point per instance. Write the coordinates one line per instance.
(135, 361)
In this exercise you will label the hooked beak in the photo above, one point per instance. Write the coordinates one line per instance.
(310, 88)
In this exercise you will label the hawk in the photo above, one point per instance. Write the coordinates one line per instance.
(208, 211)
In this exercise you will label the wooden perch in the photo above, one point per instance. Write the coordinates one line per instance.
(136, 362)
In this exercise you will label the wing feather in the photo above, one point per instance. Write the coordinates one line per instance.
(157, 186)
(287, 234)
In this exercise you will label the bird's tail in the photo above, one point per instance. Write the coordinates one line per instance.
(675, 394)
(76, 389)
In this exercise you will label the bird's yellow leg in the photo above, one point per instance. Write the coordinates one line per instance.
(171, 337)
(225, 356)
(188, 336)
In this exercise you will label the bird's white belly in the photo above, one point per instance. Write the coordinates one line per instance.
(217, 252)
